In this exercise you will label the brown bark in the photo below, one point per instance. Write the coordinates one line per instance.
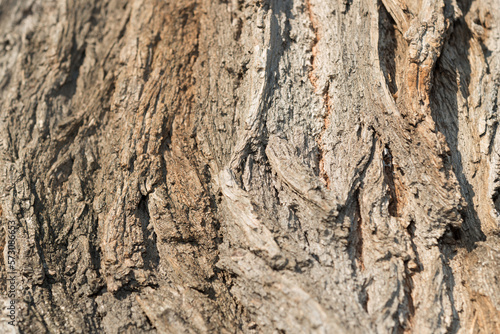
(250, 166)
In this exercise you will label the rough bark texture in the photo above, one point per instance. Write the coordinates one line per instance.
(251, 166)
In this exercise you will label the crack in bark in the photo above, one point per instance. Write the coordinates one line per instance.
(358, 233)
(407, 327)
(389, 176)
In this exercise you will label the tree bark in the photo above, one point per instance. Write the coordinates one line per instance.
(250, 166)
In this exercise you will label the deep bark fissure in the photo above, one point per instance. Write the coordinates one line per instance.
(387, 49)
(357, 232)
(450, 129)
(389, 179)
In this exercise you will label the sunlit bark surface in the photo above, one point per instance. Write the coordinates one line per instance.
(251, 166)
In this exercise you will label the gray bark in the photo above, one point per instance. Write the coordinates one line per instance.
(250, 166)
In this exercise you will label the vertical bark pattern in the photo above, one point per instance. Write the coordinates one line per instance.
(251, 166)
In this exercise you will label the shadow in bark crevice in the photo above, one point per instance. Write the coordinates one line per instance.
(387, 48)
(150, 255)
(451, 77)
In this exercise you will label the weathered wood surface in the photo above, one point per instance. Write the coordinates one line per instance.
(251, 166)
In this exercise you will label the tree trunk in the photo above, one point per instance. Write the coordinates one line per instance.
(250, 166)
